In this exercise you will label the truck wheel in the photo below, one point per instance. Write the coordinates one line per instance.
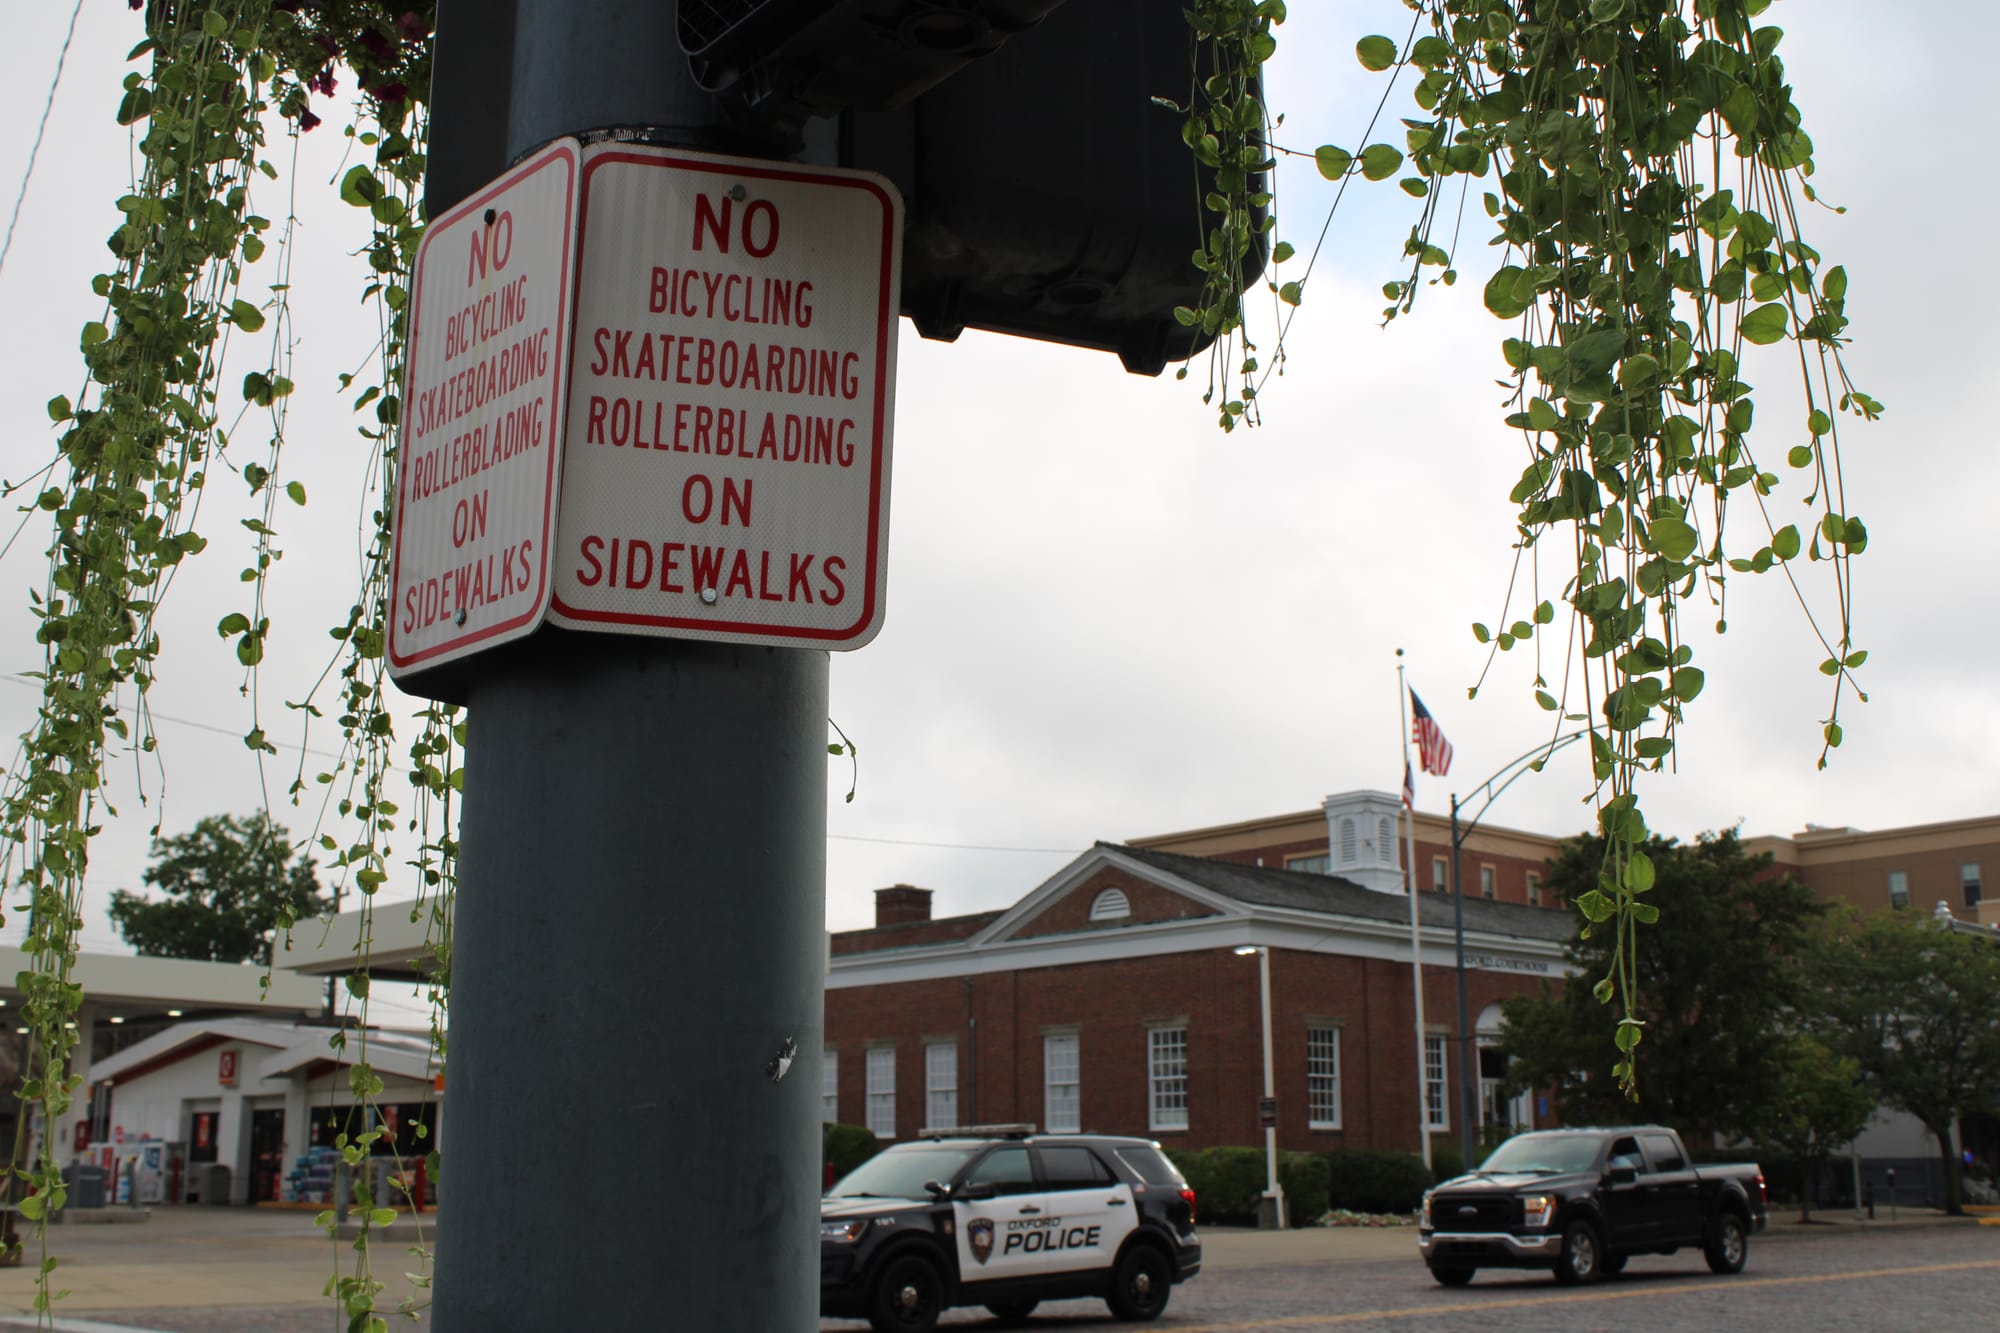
(1011, 1312)
(1140, 1284)
(1729, 1246)
(1611, 1264)
(1449, 1276)
(908, 1296)
(1581, 1257)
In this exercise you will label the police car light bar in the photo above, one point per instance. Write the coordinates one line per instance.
(1014, 1131)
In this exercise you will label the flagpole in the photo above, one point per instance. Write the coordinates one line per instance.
(1410, 885)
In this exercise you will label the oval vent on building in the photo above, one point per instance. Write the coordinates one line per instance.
(1110, 905)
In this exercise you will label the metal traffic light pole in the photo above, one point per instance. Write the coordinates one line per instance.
(638, 939)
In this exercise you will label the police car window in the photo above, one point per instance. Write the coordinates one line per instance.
(1665, 1156)
(1625, 1152)
(1073, 1168)
(1150, 1165)
(900, 1173)
(1008, 1169)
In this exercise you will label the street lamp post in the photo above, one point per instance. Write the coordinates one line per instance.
(1271, 1210)
(1530, 761)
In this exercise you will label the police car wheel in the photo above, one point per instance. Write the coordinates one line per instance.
(1140, 1284)
(1012, 1310)
(909, 1296)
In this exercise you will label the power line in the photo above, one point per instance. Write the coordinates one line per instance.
(190, 722)
(953, 846)
(832, 837)
(61, 58)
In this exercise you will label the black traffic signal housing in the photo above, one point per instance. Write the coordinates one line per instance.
(792, 59)
(1048, 191)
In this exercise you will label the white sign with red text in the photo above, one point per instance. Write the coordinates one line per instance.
(482, 415)
(727, 462)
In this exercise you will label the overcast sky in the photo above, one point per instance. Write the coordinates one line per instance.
(1107, 619)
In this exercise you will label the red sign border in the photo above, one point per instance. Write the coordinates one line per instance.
(738, 631)
(562, 150)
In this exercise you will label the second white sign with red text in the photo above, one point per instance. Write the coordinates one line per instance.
(726, 473)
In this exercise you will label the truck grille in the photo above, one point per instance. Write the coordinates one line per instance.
(1473, 1213)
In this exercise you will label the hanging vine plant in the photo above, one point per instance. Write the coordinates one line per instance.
(1644, 170)
(144, 440)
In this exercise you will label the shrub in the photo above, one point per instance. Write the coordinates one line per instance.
(1304, 1177)
(1447, 1159)
(844, 1147)
(1371, 1180)
(1228, 1182)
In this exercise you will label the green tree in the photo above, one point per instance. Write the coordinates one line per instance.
(1914, 1002)
(1822, 1102)
(227, 886)
(1717, 991)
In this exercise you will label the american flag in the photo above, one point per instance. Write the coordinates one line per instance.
(1409, 788)
(1433, 750)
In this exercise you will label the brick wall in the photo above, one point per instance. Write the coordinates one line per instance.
(999, 1020)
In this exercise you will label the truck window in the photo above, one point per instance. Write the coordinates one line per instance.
(1625, 1152)
(1666, 1154)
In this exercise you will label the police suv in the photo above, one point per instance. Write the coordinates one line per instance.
(1000, 1216)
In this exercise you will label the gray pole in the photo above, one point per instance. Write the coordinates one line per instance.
(1468, 1100)
(639, 928)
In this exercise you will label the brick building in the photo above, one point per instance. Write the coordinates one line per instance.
(1888, 869)
(1113, 997)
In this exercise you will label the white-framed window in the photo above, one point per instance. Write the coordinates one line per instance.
(1385, 841)
(829, 1085)
(1310, 865)
(1968, 880)
(1437, 1100)
(941, 1084)
(1110, 905)
(1062, 1085)
(1489, 882)
(1323, 1077)
(1534, 888)
(1440, 874)
(1166, 1078)
(1899, 888)
(881, 1113)
(1350, 841)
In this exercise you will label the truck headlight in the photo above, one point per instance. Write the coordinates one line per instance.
(1424, 1218)
(844, 1232)
(1538, 1210)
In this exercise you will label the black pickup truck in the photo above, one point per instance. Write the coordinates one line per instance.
(1583, 1201)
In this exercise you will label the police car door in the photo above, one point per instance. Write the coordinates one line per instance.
(1091, 1211)
(993, 1225)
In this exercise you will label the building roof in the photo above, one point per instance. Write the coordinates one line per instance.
(291, 1046)
(1220, 904)
(189, 1038)
(400, 944)
(141, 985)
(1263, 886)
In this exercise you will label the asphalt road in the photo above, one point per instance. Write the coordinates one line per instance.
(231, 1271)
(1802, 1280)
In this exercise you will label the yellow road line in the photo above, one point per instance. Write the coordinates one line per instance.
(1646, 1292)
